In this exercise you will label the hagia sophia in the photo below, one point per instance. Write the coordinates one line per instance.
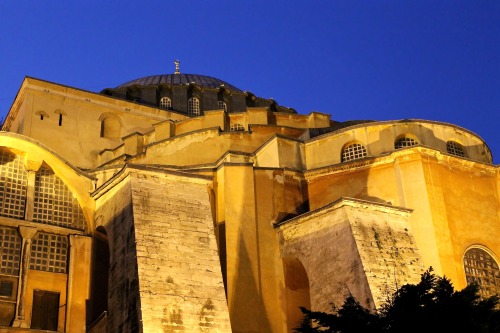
(181, 203)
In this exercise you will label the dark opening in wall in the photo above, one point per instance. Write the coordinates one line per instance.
(45, 310)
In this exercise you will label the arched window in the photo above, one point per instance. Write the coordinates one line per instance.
(13, 185)
(237, 128)
(481, 268)
(405, 141)
(193, 106)
(455, 148)
(54, 203)
(110, 127)
(353, 151)
(222, 105)
(42, 114)
(165, 103)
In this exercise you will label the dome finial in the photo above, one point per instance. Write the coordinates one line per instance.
(177, 66)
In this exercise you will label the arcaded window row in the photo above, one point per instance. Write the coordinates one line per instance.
(193, 105)
(355, 150)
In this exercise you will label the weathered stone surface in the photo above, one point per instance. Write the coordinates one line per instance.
(180, 280)
(352, 246)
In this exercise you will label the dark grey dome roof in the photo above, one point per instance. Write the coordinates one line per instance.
(177, 79)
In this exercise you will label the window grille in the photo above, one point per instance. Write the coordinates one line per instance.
(49, 253)
(405, 142)
(353, 151)
(236, 127)
(10, 251)
(222, 105)
(13, 184)
(193, 107)
(165, 103)
(455, 148)
(54, 203)
(482, 269)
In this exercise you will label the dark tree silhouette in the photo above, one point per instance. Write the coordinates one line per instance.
(430, 306)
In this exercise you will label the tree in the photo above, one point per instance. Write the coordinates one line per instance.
(430, 306)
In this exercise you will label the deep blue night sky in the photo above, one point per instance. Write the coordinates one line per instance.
(380, 60)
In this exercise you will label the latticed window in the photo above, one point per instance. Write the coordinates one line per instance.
(193, 106)
(165, 103)
(10, 251)
(54, 203)
(49, 253)
(405, 142)
(236, 127)
(481, 268)
(13, 184)
(353, 151)
(455, 148)
(222, 105)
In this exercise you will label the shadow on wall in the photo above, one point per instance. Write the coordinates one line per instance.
(247, 312)
(97, 306)
(121, 286)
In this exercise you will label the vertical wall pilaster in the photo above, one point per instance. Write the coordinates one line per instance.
(27, 233)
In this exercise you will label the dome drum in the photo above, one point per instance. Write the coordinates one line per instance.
(211, 93)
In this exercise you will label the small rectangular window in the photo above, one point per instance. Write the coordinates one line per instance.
(6, 288)
(60, 119)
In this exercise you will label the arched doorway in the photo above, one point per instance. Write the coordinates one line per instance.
(296, 291)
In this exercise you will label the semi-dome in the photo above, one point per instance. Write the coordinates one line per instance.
(179, 79)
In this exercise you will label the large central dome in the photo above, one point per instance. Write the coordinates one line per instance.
(190, 94)
(178, 79)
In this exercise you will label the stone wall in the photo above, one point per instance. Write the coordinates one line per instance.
(352, 247)
(386, 247)
(180, 279)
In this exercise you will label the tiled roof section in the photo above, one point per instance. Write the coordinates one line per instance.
(177, 79)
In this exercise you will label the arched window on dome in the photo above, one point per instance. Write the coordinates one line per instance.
(223, 99)
(165, 103)
(193, 106)
(353, 151)
(222, 105)
(236, 127)
(455, 148)
(481, 268)
(405, 141)
(111, 126)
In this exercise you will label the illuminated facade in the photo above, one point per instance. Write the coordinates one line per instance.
(180, 202)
